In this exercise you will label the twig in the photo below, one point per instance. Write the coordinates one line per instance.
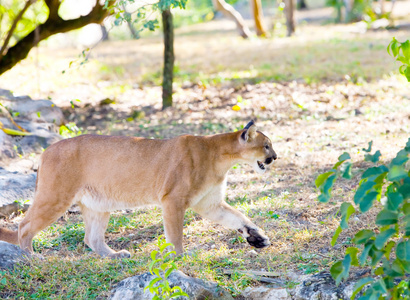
(8, 115)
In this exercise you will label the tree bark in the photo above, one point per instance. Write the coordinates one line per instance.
(290, 22)
(258, 17)
(301, 4)
(54, 24)
(169, 58)
(230, 12)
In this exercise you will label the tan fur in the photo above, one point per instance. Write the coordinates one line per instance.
(106, 173)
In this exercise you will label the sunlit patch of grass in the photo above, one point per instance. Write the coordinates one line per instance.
(68, 277)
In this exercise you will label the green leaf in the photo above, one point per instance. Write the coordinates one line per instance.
(346, 170)
(38, 114)
(367, 201)
(375, 255)
(336, 235)
(363, 236)
(326, 187)
(365, 252)
(404, 264)
(375, 171)
(403, 250)
(369, 149)
(164, 246)
(346, 210)
(396, 173)
(360, 284)
(407, 73)
(400, 159)
(352, 251)
(340, 270)
(342, 158)
(382, 238)
(386, 217)
(394, 200)
(154, 255)
(395, 270)
(374, 158)
(388, 248)
(394, 46)
(405, 48)
(322, 177)
(404, 189)
(406, 209)
(362, 190)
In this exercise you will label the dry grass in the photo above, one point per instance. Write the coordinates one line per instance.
(310, 126)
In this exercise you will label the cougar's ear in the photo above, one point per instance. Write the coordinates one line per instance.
(249, 131)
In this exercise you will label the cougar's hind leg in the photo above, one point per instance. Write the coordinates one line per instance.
(95, 226)
(45, 210)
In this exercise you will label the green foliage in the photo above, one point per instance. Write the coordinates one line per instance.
(393, 221)
(145, 16)
(162, 266)
(9, 9)
(401, 52)
(69, 130)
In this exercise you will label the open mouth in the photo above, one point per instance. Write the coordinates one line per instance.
(261, 165)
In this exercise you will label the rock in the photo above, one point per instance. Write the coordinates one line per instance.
(265, 293)
(15, 190)
(322, 286)
(33, 110)
(133, 288)
(6, 94)
(6, 146)
(10, 255)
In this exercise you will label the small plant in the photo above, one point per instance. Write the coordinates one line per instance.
(162, 266)
(388, 247)
(69, 130)
(401, 52)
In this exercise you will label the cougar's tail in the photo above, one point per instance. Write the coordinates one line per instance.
(9, 236)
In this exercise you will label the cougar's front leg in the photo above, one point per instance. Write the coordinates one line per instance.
(173, 213)
(227, 216)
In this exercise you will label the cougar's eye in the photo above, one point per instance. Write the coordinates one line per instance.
(266, 147)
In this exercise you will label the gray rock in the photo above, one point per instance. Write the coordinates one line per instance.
(133, 288)
(6, 94)
(15, 190)
(321, 286)
(34, 110)
(265, 293)
(10, 255)
(6, 146)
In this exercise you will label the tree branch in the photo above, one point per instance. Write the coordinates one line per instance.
(13, 27)
(50, 27)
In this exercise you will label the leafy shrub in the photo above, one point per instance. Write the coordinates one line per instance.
(162, 266)
(388, 247)
(401, 52)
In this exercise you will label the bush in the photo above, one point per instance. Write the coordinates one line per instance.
(387, 249)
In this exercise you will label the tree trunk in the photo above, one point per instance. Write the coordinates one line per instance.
(290, 22)
(169, 58)
(301, 4)
(230, 12)
(258, 17)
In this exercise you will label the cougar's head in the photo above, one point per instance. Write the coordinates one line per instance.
(256, 148)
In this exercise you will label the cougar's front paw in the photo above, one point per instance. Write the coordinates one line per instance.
(256, 238)
(120, 254)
